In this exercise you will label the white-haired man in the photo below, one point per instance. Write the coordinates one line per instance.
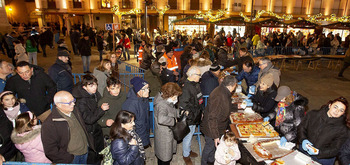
(63, 133)
(191, 100)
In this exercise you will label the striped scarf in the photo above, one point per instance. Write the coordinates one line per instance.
(139, 143)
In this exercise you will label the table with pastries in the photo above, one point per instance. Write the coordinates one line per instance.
(258, 142)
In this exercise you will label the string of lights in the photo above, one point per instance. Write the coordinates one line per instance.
(209, 15)
(332, 18)
(261, 12)
(161, 11)
(116, 11)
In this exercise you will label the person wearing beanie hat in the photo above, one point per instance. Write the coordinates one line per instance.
(290, 109)
(210, 79)
(137, 103)
(84, 47)
(264, 99)
(61, 72)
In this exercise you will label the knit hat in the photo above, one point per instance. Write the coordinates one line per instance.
(267, 79)
(138, 83)
(214, 67)
(63, 53)
(283, 91)
(168, 49)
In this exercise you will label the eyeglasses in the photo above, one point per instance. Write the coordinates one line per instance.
(197, 75)
(262, 64)
(69, 103)
(146, 89)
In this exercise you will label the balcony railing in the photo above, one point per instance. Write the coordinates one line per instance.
(318, 10)
(338, 12)
(299, 10)
(149, 6)
(259, 8)
(126, 5)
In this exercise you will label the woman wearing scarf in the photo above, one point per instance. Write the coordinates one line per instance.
(126, 147)
(11, 106)
(288, 114)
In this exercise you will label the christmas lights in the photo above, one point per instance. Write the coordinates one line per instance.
(116, 11)
(261, 12)
(161, 11)
(209, 15)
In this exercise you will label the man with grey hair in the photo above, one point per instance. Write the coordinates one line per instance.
(216, 117)
(64, 136)
(191, 100)
(266, 67)
(5, 72)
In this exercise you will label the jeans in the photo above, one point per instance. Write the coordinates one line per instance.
(208, 154)
(329, 161)
(33, 58)
(86, 63)
(136, 48)
(160, 162)
(80, 159)
(345, 65)
(186, 142)
(124, 54)
(101, 53)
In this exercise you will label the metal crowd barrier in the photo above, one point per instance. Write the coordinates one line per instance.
(129, 68)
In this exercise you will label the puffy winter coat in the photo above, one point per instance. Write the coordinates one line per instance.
(192, 100)
(61, 74)
(344, 156)
(325, 133)
(264, 102)
(223, 59)
(7, 148)
(293, 117)
(165, 115)
(276, 73)
(250, 78)
(30, 144)
(125, 154)
(90, 112)
(140, 107)
(222, 152)
(147, 58)
(208, 82)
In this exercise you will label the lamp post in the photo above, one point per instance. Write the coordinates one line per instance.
(146, 3)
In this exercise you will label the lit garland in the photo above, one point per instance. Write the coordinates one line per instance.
(209, 15)
(332, 18)
(261, 12)
(161, 11)
(116, 11)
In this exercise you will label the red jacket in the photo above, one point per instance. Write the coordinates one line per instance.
(125, 43)
(229, 41)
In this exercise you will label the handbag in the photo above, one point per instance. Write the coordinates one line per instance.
(181, 129)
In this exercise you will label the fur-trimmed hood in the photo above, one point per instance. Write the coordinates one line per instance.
(27, 136)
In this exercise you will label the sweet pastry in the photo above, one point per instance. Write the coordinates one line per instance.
(261, 151)
(269, 130)
(240, 117)
(278, 162)
(246, 130)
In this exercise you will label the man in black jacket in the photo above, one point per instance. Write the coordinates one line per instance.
(100, 44)
(192, 101)
(84, 47)
(61, 72)
(75, 40)
(64, 136)
(35, 86)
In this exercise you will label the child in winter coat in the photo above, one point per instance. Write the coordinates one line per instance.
(227, 151)
(21, 54)
(27, 138)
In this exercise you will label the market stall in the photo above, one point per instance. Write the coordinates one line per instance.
(269, 25)
(304, 26)
(342, 28)
(190, 24)
(229, 24)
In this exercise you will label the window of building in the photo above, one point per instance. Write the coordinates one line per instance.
(126, 4)
(51, 4)
(194, 5)
(216, 4)
(77, 4)
(106, 4)
(172, 4)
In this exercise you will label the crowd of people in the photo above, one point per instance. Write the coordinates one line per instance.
(49, 119)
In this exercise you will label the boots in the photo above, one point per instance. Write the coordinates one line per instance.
(187, 160)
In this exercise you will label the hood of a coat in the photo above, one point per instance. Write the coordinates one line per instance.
(107, 95)
(79, 92)
(300, 100)
(27, 136)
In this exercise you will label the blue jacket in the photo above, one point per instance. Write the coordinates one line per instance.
(140, 107)
(208, 82)
(125, 154)
(61, 74)
(251, 78)
(3, 82)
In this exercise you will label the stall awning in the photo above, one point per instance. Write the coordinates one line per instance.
(302, 24)
(269, 22)
(231, 21)
(338, 25)
(189, 18)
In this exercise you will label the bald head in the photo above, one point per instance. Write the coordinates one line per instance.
(64, 101)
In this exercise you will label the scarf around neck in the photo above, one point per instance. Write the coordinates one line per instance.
(281, 112)
(13, 113)
(139, 143)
